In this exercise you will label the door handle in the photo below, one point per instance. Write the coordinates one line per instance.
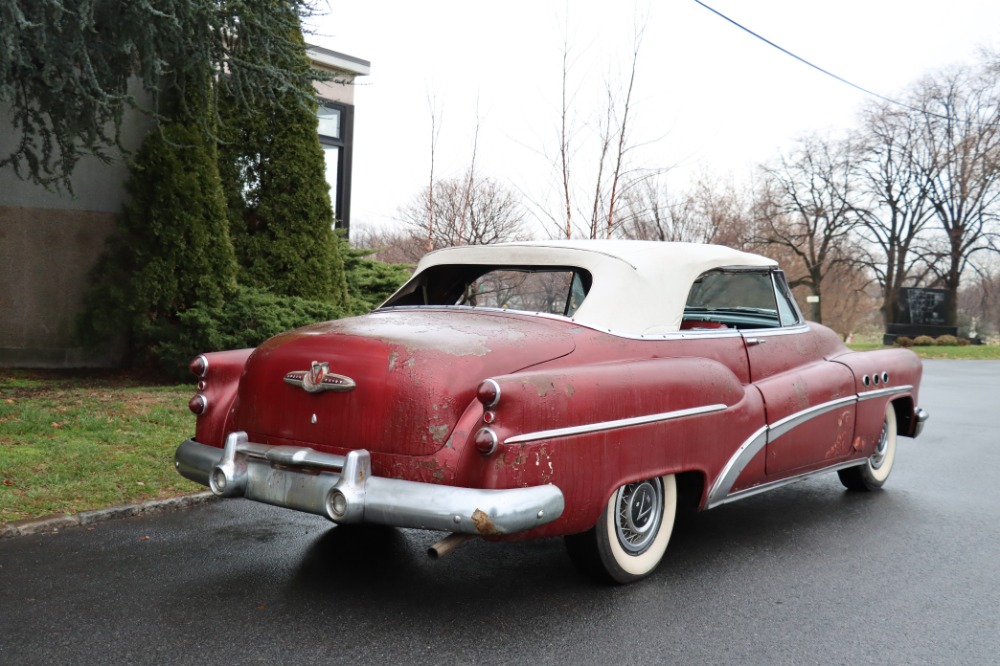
(755, 341)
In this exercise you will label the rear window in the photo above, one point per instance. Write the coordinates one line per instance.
(549, 289)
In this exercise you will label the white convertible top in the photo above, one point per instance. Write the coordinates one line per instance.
(638, 287)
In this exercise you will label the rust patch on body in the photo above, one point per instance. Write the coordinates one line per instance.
(484, 525)
(542, 385)
(438, 432)
(840, 443)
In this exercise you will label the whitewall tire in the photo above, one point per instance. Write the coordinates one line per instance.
(632, 534)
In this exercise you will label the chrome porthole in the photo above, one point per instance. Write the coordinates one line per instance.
(638, 514)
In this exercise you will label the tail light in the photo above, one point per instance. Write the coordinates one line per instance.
(199, 366)
(485, 441)
(198, 404)
(488, 393)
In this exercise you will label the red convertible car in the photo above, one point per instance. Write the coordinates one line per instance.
(587, 389)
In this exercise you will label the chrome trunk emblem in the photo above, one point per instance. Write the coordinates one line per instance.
(319, 378)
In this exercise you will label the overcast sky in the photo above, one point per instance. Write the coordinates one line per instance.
(708, 95)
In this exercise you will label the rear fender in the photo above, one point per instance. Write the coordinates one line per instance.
(880, 377)
(219, 384)
(591, 429)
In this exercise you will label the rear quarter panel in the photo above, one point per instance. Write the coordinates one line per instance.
(589, 466)
(904, 371)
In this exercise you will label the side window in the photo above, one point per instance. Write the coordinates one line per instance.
(786, 306)
(734, 298)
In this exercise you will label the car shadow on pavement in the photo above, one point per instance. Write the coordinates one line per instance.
(385, 562)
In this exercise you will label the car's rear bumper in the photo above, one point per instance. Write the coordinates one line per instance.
(343, 489)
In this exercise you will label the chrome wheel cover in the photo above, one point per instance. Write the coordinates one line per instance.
(877, 458)
(638, 514)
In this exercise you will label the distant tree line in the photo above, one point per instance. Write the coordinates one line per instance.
(910, 197)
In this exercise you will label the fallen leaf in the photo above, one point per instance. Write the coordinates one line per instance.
(144, 538)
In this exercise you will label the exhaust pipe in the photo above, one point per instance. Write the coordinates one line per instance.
(448, 544)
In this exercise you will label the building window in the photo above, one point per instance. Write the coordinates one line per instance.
(329, 120)
(336, 130)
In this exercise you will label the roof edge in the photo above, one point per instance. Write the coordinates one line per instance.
(338, 61)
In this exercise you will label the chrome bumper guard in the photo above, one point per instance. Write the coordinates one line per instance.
(343, 489)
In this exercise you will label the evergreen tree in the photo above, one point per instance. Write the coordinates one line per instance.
(171, 250)
(371, 281)
(274, 175)
(68, 69)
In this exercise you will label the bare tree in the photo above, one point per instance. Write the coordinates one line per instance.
(564, 132)
(807, 209)
(654, 215)
(961, 114)
(980, 302)
(593, 198)
(623, 146)
(896, 209)
(395, 246)
(435, 133)
(470, 178)
(709, 212)
(485, 213)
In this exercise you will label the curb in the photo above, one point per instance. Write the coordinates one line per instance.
(54, 523)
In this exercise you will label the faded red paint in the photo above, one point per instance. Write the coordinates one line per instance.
(415, 408)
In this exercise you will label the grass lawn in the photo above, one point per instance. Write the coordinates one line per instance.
(968, 353)
(74, 441)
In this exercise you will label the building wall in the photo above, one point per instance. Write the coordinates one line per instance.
(50, 241)
(46, 255)
(335, 91)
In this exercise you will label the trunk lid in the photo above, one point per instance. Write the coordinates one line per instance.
(415, 373)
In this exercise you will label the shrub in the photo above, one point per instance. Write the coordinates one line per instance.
(924, 341)
(964, 342)
(903, 341)
(946, 341)
(246, 319)
(370, 282)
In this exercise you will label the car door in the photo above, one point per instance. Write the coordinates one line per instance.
(809, 401)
